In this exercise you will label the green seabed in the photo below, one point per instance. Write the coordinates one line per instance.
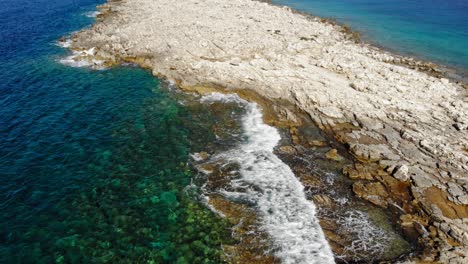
(137, 205)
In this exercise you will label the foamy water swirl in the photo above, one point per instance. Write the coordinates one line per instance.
(286, 215)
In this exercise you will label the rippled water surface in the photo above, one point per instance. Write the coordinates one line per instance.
(431, 29)
(93, 164)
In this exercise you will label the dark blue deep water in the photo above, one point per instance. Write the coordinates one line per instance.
(93, 164)
(435, 30)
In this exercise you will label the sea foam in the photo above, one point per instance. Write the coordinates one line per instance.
(286, 215)
(370, 240)
(66, 43)
(83, 58)
(92, 14)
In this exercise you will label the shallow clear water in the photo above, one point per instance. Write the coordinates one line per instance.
(436, 30)
(93, 164)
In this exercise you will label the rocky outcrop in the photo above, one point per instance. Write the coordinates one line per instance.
(409, 126)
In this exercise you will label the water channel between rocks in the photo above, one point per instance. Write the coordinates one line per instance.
(249, 173)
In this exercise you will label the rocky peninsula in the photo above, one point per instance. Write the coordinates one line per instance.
(405, 127)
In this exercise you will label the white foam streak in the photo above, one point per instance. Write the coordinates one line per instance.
(286, 215)
(92, 14)
(64, 43)
(83, 59)
(370, 239)
(224, 98)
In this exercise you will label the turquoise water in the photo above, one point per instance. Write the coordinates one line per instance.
(435, 30)
(93, 164)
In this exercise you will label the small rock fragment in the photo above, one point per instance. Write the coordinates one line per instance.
(288, 149)
(322, 200)
(333, 155)
(317, 143)
(401, 173)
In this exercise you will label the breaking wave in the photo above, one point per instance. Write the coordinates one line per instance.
(268, 183)
(92, 14)
(83, 58)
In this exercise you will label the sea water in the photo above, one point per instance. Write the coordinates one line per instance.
(268, 183)
(435, 30)
(93, 163)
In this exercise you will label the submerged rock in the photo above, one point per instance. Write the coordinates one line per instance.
(373, 192)
(288, 149)
(333, 155)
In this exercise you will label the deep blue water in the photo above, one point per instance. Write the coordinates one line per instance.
(93, 164)
(435, 30)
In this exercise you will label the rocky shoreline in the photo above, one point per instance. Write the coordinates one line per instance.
(406, 129)
(356, 231)
(458, 76)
